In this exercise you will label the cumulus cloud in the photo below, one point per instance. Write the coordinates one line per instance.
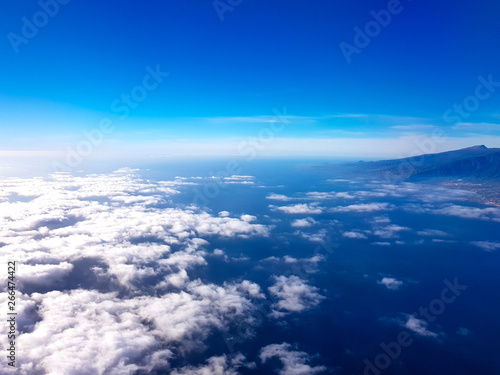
(218, 252)
(432, 233)
(363, 207)
(297, 265)
(43, 274)
(294, 295)
(422, 192)
(100, 331)
(381, 220)
(328, 195)
(240, 182)
(381, 243)
(236, 177)
(439, 240)
(217, 365)
(126, 256)
(303, 223)
(354, 235)
(107, 334)
(279, 197)
(313, 259)
(313, 195)
(290, 259)
(486, 245)
(248, 218)
(389, 231)
(300, 208)
(418, 326)
(320, 236)
(371, 194)
(465, 212)
(390, 283)
(294, 362)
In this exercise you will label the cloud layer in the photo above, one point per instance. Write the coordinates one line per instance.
(106, 274)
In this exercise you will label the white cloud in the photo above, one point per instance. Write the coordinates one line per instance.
(313, 259)
(313, 195)
(381, 220)
(439, 240)
(488, 213)
(298, 265)
(120, 231)
(294, 295)
(218, 252)
(355, 235)
(372, 194)
(328, 195)
(43, 274)
(390, 283)
(279, 197)
(303, 223)
(294, 362)
(291, 260)
(301, 208)
(248, 218)
(320, 236)
(418, 326)
(363, 207)
(252, 289)
(240, 182)
(237, 179)
(390, 231)
(217, 365)
(106, 334)
(465, 212)
(486, 245)
(432, 233)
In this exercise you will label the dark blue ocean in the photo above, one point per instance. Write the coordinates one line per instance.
(373, 230)
(358, 314)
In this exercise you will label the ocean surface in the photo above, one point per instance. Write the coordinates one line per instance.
(348, 268)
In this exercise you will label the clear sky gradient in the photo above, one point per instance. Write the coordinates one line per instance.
(276, 71)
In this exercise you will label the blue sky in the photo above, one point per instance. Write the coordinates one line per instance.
(231, 70)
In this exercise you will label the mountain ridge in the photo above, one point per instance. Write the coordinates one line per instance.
(478, 162)
(475, 169)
